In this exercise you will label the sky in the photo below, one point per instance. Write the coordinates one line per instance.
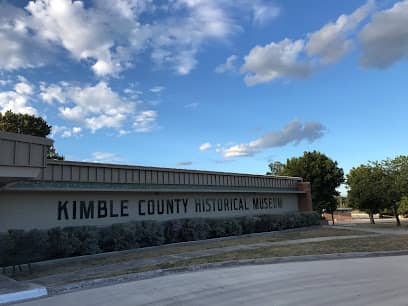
(224, 85)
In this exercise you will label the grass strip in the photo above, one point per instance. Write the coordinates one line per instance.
(380, 243)
(76, 264)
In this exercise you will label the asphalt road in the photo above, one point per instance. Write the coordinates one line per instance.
(363, 281)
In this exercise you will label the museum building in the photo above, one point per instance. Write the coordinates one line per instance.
(39, 193)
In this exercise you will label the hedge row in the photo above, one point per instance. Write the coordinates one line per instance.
(20, 247)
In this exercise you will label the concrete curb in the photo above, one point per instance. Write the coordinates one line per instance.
(88, 284)
(23, 295)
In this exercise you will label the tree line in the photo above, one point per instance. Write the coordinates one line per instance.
(379, 187)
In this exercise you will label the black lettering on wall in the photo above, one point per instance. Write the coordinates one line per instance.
(62, 208)
(177, 205)
(185, 203)
(219, 204)
(170, 206)
(124, 208)
(197, 205)
(160, 207)
(74, 209)
(150, 207)
(226, 204)
(141, 212)
(102, 209)
(86, 211)
(112, 214)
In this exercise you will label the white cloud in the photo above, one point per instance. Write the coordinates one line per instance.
(109, 35)
(17, 100)
(52, 93)
(96, 106)
(145, 121)
(83, 32)
(229, 65)
(184, 163)
(332, 41)
(157, 89)
(205, 146)
(23, 88)
(299, 58)
(385, 39)
(275, 60)
(293, 132)
(264, 12)
(93, 106)
(65, 132)
(192, 105)
(5, 82)
(106, 157)
(17, 44)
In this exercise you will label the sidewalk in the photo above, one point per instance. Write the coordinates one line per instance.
(13, 291)
(379, 231)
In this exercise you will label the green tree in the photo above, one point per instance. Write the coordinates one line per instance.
(366, 189)
(403, 206)
(24, 124)
(275, 168)
(28, 125)
(395, 182)
(323, 174)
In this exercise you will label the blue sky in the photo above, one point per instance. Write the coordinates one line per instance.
(210, 84)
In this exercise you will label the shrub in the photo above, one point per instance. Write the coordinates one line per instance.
(18, 246)
(151, 234)
(119, 237)
(59, 243)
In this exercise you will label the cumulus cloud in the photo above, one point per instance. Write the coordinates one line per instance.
(332, 41)
(384, 40)
(294, 132)
(229, 65)
(83, 32)
(108, 36)
(264, 12)
(18, 47)
(97, 106)
(53, 92)
(192, 105)
(145, 121)
(275, 60)
(157, 89)
(184, 163)
(297, 59)
(18, 99)
(205, 146)
(65, 132)
(105, 157)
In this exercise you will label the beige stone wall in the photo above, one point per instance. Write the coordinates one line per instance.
(41, 210)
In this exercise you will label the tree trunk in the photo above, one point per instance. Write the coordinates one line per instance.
(332, 215)
(371, 217)
(394, 208)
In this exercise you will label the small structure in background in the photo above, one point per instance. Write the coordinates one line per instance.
(340, 214)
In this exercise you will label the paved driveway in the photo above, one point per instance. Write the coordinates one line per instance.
(363, 281)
